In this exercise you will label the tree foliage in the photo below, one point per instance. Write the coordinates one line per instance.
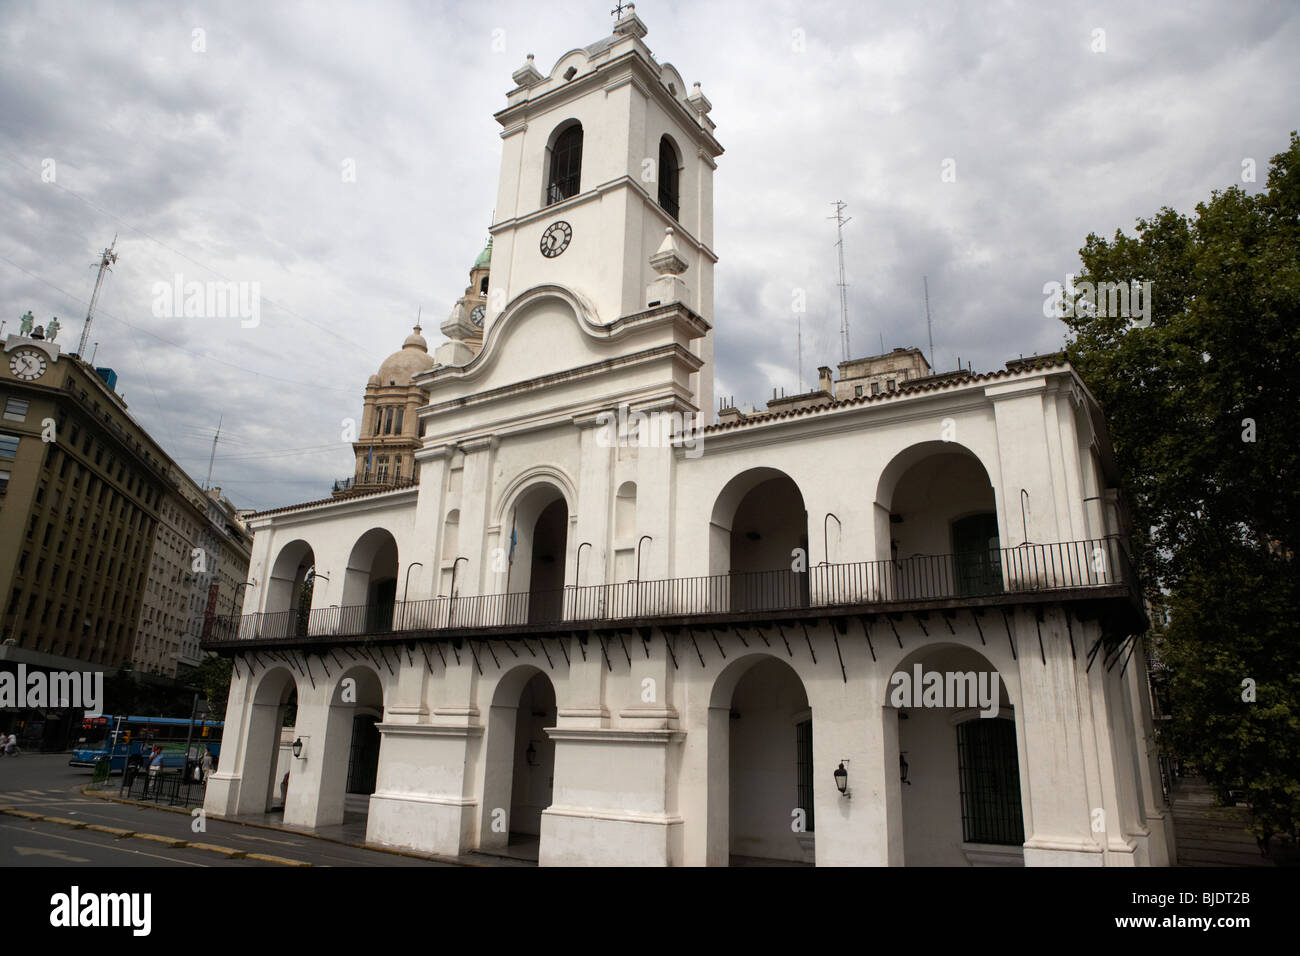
(1202, 405)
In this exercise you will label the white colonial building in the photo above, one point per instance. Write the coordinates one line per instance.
(593, 625)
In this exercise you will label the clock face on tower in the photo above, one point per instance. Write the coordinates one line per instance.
(27, 364)
(476, 316)
(556, 239)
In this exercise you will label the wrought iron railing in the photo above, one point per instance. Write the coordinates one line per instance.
(1024, 569)
(375, 479)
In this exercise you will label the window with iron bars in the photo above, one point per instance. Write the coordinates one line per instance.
(566, 166)
(804, 770)
(990, 782)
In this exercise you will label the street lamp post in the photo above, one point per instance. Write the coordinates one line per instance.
(406, 589)
(644, 538)
(234, 599)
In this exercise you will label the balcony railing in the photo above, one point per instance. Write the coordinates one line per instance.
(1030, 568)
(375, 479)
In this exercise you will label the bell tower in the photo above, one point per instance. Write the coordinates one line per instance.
(606, 188)
(464, 326)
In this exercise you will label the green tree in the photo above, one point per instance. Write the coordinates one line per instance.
(1202, 405)
(212, 677)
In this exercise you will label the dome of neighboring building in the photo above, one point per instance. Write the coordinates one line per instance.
(414, 358)
(484, 260)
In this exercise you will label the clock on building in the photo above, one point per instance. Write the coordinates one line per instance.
(556, 239)
(27, 364)
(476, 316)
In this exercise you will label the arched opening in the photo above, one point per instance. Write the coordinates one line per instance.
(669, 167)
(937, 525)
(564, 179)
(520, 771)
(625, 538)
(268, 756)
(352, 747)
(289, 591)
(759, 537)
(761, 804)
(958, 760)
(537, 555)
(370, 583)
(450, 551)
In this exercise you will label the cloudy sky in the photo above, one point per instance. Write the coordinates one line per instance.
(218, 156)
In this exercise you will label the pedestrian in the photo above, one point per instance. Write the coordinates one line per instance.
(206, 763)
(11, 746)
(155, 770)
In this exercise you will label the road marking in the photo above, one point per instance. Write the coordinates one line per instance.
(244, 836)
(56, 854)
(124, 849)
(284, 861)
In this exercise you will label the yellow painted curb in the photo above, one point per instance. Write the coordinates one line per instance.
(284, 861)
(170, 841)
(223, 850)
(22, 813)
(75, 824)
(115, 831)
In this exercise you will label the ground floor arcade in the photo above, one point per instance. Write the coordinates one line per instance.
(979, 736)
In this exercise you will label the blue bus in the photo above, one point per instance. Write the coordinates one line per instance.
(124, 739)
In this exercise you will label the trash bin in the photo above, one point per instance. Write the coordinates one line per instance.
(132, 768)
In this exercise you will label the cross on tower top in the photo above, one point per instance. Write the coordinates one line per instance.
(617, 12)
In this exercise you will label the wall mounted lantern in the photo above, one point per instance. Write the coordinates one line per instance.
(300, 747)
(531, 754)
(842, 780)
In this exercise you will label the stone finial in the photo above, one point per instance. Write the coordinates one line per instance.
(667, 260)
(528, 74)
(628, 23)
(667, 286)
(699, 102)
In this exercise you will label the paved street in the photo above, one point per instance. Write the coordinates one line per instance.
(44, 784)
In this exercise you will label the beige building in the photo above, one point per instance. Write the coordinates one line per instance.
(81, 484)
(104, 525)
(200, 559)
(389, 436)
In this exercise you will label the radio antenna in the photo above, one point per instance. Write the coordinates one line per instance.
(106, 260)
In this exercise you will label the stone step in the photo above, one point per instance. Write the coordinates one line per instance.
(1221, 834)
(1215, 846)
(1218, 860)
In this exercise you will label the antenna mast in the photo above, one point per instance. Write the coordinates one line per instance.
(106, 260)
(840, 222)
(928, 327)
(213, 457)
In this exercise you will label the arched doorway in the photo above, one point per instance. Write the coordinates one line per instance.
(370, 583)
(762, 791)
(759, 537)
(537, 555)
(353, 744)
(289, 592)
(937, 527)
(267, 756)
(958, 760)
(520, 771)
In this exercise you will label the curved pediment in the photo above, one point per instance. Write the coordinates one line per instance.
(552, 329)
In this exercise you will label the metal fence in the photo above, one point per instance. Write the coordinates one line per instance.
(170, 787)
(1023, 569)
